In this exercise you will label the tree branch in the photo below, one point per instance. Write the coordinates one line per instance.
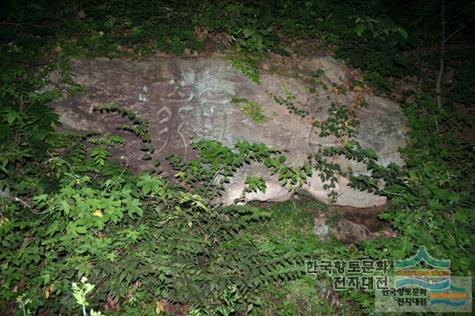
(458, 30)
(438, 85)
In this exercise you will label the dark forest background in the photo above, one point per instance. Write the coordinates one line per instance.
(154, 254)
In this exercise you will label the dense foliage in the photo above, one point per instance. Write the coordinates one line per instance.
(149, 246)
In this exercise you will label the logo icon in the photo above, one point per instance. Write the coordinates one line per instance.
(422, 270)
(423, 283)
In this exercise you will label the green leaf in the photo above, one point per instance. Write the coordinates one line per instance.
(81, 230)
(133, 206)
(12, 117)
(65, 207)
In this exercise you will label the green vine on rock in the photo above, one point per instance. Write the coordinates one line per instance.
(252, 109)
(217, 164)
(248, 65)
(139, 127)
(341, 122)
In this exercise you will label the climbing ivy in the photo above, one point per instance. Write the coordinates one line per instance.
(148, 245)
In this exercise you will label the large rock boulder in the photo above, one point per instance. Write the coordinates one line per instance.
(189, 99)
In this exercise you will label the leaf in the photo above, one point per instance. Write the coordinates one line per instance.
(100, 155)
(443, 194)
(359, 29)
(150, 185)
(435, 204)
(65, 207)
(12, 117)
(159, 307)
(81, 230)
(133, 206)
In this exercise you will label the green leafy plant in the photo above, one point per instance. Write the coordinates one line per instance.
(434, 198)
(248, 65)
(67, 212)
(80, 293)
(138, 127)
(26, 125)
(340, 122)
(255, 184)
(23, 302)
(366, 24)
(251, 109)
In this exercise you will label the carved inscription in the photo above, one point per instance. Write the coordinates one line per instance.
(190, 105)
(167, 131)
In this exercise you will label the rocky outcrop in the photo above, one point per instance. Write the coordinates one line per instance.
(184, 100)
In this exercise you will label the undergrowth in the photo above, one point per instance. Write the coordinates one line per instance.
(148, 246)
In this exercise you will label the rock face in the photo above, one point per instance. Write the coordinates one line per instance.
(185, 100)
(350, 225)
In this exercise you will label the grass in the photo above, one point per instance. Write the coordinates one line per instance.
(290, 229)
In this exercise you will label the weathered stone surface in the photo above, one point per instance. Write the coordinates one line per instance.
(189, 99)
(351, 225)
